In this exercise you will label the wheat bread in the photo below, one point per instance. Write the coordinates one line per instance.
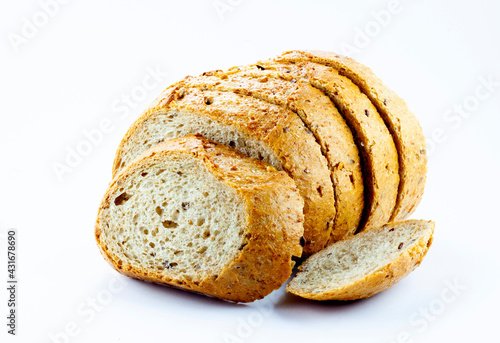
(254, 127)
(401, 122)
(375, 144)
(365, 264)
(200, 216)
(321, 117)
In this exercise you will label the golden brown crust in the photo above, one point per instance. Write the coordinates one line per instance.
(279, 129)
(402, 123)
(321, 118)
(274, 221)
(382, 278)
(375, 144)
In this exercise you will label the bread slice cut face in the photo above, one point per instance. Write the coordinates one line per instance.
(197, 215)
(364, 265)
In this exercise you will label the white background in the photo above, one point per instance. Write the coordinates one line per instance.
(71, 72)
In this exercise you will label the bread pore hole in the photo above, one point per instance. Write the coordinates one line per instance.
(168, 224)
(135, 219)
(121, 199)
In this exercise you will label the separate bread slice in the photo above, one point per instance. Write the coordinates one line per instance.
(402, 124)
(365, 264)
(375, 144)
(257, 129)
(323, 120)
(200, 216)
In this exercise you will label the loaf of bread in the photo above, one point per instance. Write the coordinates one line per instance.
(365, 264)
(307, 146)
(200, 216)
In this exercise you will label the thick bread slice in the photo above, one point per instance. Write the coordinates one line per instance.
(253, 127)
(324, 121)
(402, 124)
(200, 216)
(375, 144)
(365, 264)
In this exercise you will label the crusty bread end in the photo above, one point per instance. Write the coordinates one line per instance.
(364, 265)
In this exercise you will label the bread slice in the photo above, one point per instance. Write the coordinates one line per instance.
(364, 265)
(321, 117)
(402, 124)
(200, 216)
(376, 146)
(257, 129)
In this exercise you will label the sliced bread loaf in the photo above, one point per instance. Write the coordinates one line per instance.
(402, 124)
(364, 265)
(378, 154)
(200, 216)
(254, 127)
(321, 117)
